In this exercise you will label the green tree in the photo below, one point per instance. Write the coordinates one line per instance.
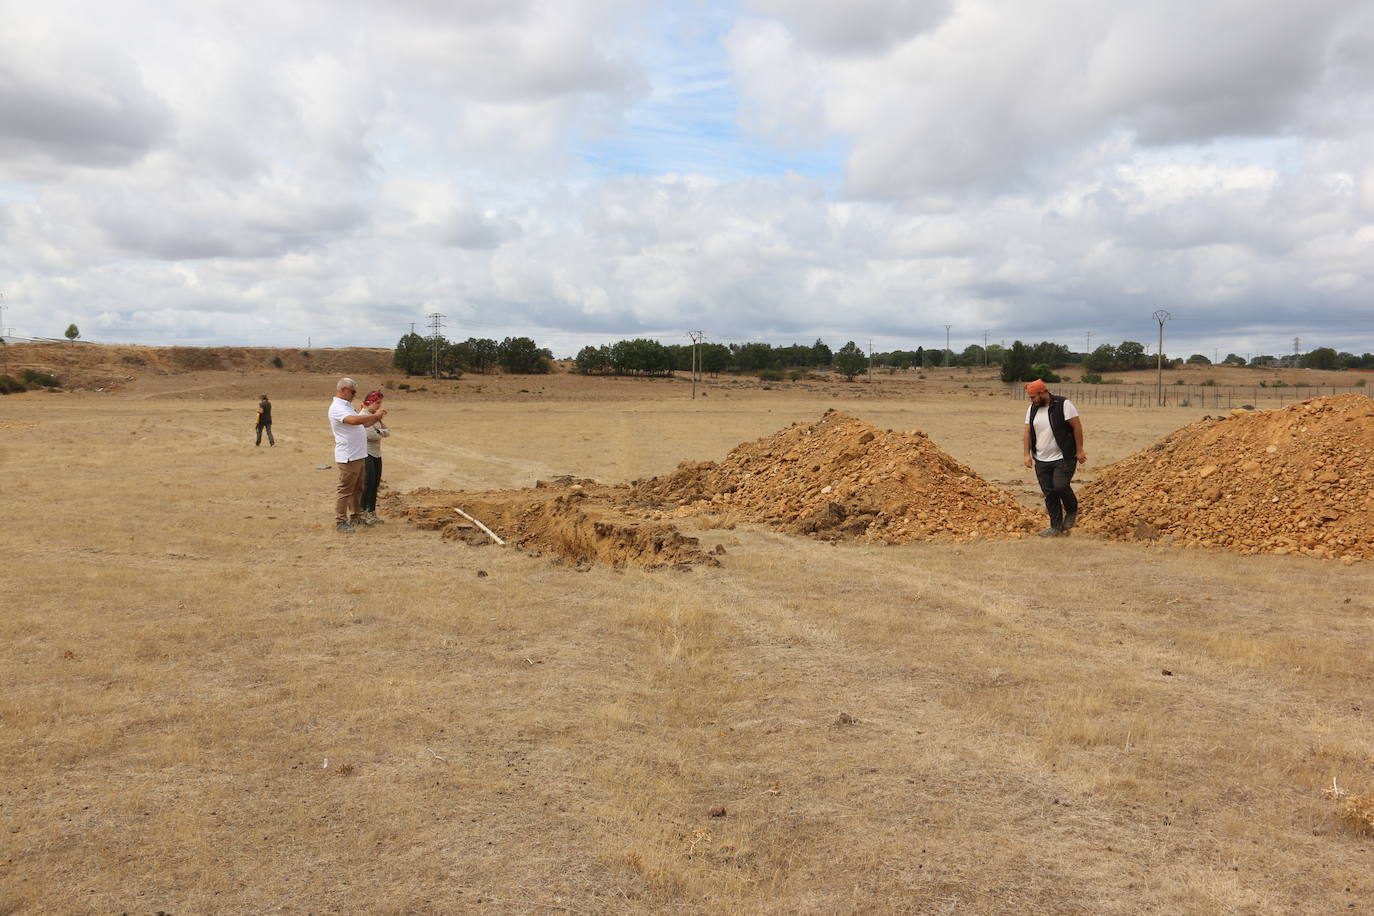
(1103, 359)
(481, 354)
(1051, 354)
(412, 354)
(1197, 359)
(973, 355)
(1322, 358)
(1017, 365)
(72, 332)
(593, 360)
(640, 356)
(521, 355)
(821, 354)
(850, 360)
(1131, 355)
(1233, 359)
(715, 357)
(751, 357)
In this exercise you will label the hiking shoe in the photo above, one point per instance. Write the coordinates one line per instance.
(370, 518)
(1070, 519)
(344, 528)
(1050, 533)
(367, 520)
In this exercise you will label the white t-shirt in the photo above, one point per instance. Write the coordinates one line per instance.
(350, 440)
(1046, 448)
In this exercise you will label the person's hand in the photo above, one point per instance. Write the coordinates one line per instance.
(1082, 457)
(381, 413)
(1030, 463)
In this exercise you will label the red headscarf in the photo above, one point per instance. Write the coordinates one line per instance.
(373, 397)
(1034, 387)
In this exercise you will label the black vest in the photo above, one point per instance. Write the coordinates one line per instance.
(1063, 432)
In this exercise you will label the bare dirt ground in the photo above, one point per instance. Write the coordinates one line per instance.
(1007, 726)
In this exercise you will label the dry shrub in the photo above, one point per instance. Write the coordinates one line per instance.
(1358, 814)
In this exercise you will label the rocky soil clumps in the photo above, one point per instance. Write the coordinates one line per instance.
(1293, 480)
(567, 520)
(840, 477)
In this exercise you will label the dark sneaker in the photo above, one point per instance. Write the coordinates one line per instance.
(1070, 519)
(344, 528)
(1050, 533)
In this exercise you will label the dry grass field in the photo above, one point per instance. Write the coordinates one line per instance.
(210, 702)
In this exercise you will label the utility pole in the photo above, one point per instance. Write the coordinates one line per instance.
(946, 359)
(870, 360)
(1296, 345)
(1087, 344)
(696, 360)
(986, 363)
(436, 326)
(1161, 316)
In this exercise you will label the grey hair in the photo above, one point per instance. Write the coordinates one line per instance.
(346, 383)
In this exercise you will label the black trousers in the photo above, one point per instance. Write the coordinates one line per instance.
(372, 479)
(268, 427)
(1054, 477)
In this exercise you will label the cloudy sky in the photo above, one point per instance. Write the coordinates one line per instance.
(580, 171)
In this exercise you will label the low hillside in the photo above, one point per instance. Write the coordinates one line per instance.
(82, 365)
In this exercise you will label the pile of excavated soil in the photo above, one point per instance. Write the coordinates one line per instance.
(1293, 480)
(841, 477)
(570, 521)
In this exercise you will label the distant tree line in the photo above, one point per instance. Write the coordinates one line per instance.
(1320, 358)
(642, 356)
(646, 357)
(415, 355)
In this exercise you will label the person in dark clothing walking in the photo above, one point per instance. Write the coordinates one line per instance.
(1054, 448)
(265, 422)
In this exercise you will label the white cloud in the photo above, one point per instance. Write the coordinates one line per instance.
(264, 172)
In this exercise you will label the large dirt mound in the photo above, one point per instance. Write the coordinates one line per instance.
(1297, 479)
(568, 520)
(842, 477)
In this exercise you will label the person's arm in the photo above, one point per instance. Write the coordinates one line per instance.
(1077, 425)
(364, 419)
(1030, 461)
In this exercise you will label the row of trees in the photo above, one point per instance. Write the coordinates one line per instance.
(416, 355)
(642, 356)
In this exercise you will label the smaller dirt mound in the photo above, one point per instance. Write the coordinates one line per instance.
(841, 477)
(571, 522)
(1293, 480)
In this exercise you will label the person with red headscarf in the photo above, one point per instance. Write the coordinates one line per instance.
(1054, 448)
(372, 468)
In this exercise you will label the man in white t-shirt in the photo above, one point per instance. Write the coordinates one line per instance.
(350, 452)
(1054, 447)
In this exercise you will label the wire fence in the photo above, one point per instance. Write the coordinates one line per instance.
(1221, 397)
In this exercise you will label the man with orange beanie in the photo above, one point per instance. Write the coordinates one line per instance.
(1054, 447)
